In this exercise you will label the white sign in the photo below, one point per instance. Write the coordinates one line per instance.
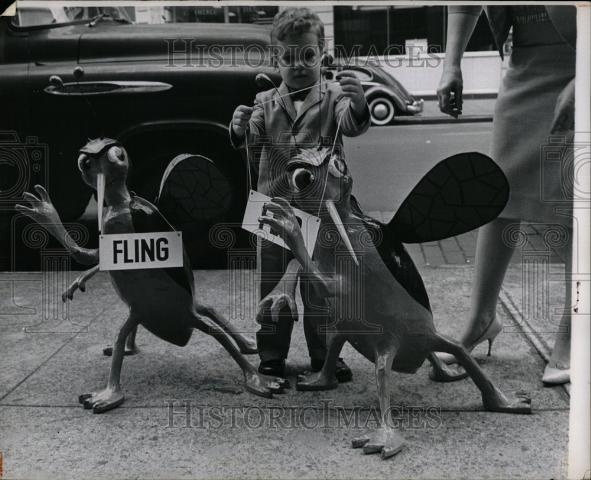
(415, 47)
(135, 251)
(255, 208)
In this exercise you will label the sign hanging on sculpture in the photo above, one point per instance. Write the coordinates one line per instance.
(131, 251)
(256, 207)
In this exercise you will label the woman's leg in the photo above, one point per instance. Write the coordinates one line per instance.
(560, 358)
(493, 254)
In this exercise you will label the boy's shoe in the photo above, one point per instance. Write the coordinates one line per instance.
(274, 368)
(343, 372)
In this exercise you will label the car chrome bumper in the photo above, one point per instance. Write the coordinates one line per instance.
(415, 107)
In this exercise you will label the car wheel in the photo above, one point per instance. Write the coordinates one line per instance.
(382, 110)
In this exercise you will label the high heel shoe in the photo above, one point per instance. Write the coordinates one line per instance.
(491, 332)
(555, 374)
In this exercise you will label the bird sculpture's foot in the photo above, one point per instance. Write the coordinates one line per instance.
(316, 381)
(384, 440)
(102, 400)
(263, 385)
(498, 402)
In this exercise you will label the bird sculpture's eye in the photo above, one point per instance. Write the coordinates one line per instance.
(83, 162)
(337, 167)
(301, 179)
(115, 153)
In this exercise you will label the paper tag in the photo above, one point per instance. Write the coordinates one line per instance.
(255, 208)
(137, 251)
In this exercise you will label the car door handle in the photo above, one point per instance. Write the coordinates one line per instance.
(58, 87)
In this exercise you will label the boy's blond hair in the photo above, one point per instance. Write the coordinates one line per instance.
(297, 20)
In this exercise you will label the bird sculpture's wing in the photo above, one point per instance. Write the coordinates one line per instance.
(459, 194)
(194, 193)
(397, 260)
(147, 218)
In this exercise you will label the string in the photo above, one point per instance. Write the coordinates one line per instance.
(297, 91)
(169, 224)
(248, 173)
(336, 136)
(317, 84)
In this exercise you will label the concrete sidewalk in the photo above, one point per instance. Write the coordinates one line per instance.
(474, 109)
(460, 250)
(186, 414)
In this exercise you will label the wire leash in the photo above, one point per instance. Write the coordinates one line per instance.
(336, 136)
(248, 164)
(317, 84)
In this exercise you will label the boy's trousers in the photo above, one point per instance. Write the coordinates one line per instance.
(273, 339)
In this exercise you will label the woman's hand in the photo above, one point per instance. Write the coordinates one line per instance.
(450, 90)
(564, 111)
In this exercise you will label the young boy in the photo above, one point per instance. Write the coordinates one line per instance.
(289, 122)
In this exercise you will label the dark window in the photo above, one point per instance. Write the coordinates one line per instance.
(422, 22)
(182, 14)
(360, 28)
(205, 14)
(481, 39)
(372, 30)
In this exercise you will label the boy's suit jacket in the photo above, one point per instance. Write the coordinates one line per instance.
(277, 132)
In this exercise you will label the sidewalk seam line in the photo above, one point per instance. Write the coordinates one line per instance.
(42, 364)
(527, 329)
(318, 409)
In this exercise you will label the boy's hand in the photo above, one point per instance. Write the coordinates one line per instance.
(240, 119)
(352, 89)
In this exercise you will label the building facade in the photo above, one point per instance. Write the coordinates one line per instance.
(407, 41)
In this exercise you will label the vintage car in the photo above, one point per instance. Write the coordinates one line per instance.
(386, 96)
(160, 89)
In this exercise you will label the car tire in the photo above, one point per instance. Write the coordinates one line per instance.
(382, 110)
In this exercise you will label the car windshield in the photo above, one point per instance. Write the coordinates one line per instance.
(33, 16)
(49, 15)
(91, 13)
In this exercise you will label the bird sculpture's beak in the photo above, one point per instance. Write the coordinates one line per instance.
(336, 218)
(100, 198)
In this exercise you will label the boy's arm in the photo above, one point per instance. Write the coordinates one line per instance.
(353, 123)
(256, 126)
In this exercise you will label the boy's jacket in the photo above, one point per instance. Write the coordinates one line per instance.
(277, 132)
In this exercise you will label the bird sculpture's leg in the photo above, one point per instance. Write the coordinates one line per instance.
(326, 378)
(246, 344)
(130, 346)
(385, 440)
(79, 283)
(112, 395)
(492, 398)
(254, 382)
(441, 372)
